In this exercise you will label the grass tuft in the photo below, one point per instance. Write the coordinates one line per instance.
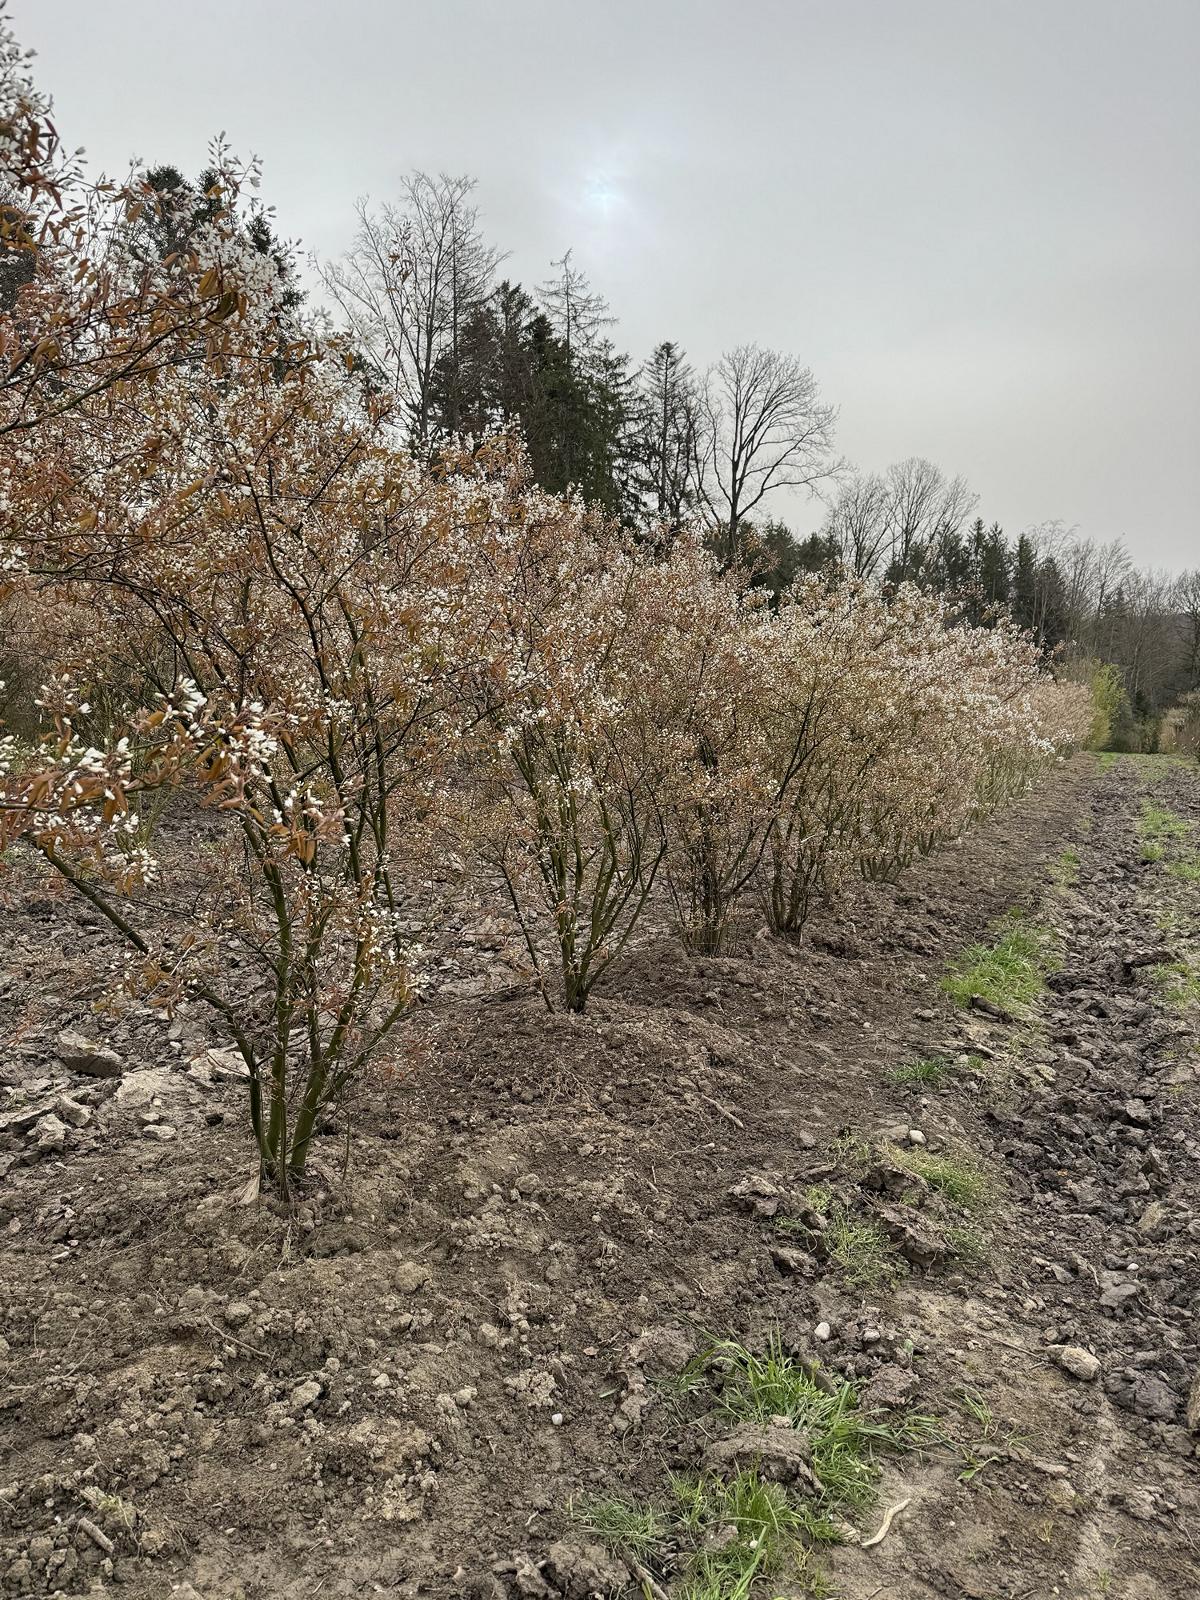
(1160, 823)
(766, 1533)
(960, 1181)
(969, 1246)
(1065, 870)
(851, 1151)
(1010, 973)
(622, 1525)
(717, 1538)
(856, 1246)
(1177, 983)
(860, 1249)
(932, 1071)
(845, 1440)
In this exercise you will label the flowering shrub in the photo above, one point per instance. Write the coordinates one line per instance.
(571, 824)
(902, 726)
(706, 667)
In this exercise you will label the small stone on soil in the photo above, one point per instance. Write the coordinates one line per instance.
(1081, 1364)
(78, 1053)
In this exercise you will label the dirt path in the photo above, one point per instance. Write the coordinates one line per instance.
(401, 1390)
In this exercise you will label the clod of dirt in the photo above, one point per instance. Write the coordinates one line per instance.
(780, 1454)
(1146, 1395)
(889, 1177)
(305, 1395)
(78, 1053)
(792, 1261)
(579, 1571)
(891, 1388)
(71, 1111)
(919, 1247)
(758, 1194)
(50, 1135)
(988, 1008)
(653, 1354)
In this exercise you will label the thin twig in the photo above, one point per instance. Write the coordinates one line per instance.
(724, 1110)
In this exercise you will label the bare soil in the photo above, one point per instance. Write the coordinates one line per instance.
(512, 1243)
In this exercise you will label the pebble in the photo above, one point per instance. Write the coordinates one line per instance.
(823, 1332)
(1080, 1363)
(915, 1136)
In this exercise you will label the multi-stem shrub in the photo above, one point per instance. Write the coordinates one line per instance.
(309, 647)
(238, 591)
(893, 720)
(573, 762)
(707, 666)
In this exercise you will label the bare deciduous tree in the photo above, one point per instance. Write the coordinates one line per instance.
(415, 273)
(1189, 614)
(857, 523)
(923, 509)
(761, 426)
(898, 523)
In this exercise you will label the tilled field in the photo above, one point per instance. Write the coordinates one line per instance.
(480, 1363)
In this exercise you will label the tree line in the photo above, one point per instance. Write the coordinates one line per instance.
(658, 444)
(460, 350)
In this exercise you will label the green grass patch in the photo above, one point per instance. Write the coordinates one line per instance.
(1151, 852)
(1009, 973)
(767, 1528)
(622, 1525)
(1187, 870)
(856, 1247)
(960, 1181)
(931, 1072)
(1177, 983)
(715, 1538)
(1160, 823)
(719, 1537)
(851, 1151)
(1065, 871)
(860, 1250)
(968, 1245)
(846, 1440)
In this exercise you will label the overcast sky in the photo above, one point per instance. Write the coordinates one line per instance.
(977, 220)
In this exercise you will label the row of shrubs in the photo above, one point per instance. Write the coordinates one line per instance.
(379, 673)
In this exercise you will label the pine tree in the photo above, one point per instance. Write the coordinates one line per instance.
(664, 435)
(1024, 596)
